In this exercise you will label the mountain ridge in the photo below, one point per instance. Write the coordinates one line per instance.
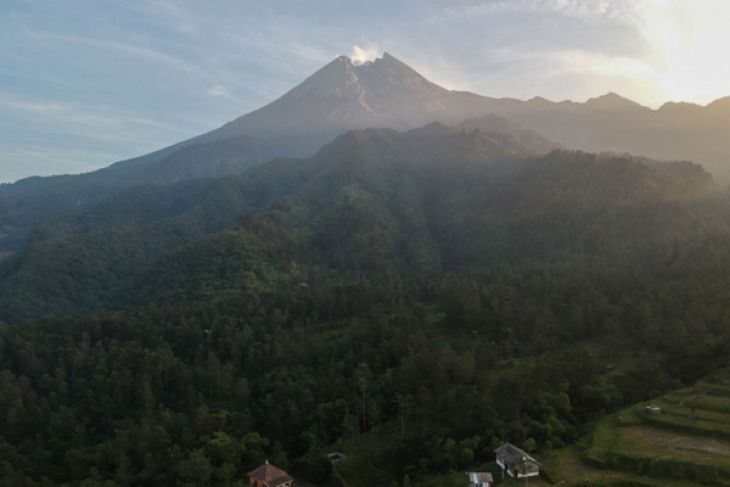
(386, 93)
(465, 104)
(498, 105)
(370, 200)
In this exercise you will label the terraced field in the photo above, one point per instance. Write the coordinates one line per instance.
(687, 445)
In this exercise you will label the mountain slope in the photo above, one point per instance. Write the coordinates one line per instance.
(612, 123)
(383, 298)
(372, 203)
(381, 93)
(80, 262)
(384, 93)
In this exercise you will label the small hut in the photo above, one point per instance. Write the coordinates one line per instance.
(653, 410)
(336, 456)
(516, 463)
(480, 479)
(268, 475)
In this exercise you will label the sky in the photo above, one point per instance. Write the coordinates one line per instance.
(84, 83)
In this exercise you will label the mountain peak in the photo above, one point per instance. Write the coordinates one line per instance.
(342, 58)
(384, 62)
(611, 101)
(679, 107)
(388, 58)
(384, 58)
(383, 92)
(721, 104)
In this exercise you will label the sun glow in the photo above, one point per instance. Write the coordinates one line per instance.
(689, 44)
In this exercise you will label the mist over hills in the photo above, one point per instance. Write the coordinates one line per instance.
(134, 213)
(384, 93)
(135, 227)
(430, 200)
(370, 264)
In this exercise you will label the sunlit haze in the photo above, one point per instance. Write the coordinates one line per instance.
(688, 47)
(392, 243)
(82, 86)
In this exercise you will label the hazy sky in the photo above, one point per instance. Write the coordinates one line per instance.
(84, 83)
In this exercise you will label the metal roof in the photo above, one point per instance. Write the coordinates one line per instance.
(511, 454)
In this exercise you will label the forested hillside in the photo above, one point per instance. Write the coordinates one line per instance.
(454, 286)
(380, 180)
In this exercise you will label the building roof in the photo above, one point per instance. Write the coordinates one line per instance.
(272, 475)
(511, 454)
(479, 477)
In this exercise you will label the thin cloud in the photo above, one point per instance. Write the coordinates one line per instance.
(220, 91)
(138, 52)
(613, 10)
(217, 90)
(89, 122)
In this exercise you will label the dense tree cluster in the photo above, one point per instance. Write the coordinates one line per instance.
(428, 286)
(200, 395)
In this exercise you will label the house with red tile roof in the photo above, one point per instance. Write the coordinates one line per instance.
(268, 475)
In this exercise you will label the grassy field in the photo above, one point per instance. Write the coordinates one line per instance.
(632, 448)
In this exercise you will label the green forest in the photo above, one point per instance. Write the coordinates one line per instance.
(441, 285)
